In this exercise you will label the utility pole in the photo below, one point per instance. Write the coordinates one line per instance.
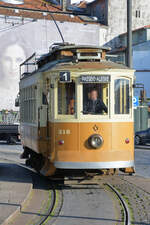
(129, 33)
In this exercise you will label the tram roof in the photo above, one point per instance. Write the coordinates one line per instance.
(65, 57)
(72, 47)
(90, 66)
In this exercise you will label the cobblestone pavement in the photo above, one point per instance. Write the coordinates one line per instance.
(136, 192)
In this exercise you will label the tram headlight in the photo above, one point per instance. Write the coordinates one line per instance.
(95, 141)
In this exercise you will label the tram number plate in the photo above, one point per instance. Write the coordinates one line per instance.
(94, 78)
(64, 76)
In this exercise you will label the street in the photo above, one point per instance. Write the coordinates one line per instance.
(142, 162)
(11, 152)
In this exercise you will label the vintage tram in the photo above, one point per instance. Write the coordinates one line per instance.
(76, 111)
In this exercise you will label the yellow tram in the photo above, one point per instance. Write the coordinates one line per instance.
(76, 111)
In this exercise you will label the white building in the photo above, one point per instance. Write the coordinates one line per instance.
(29, 28)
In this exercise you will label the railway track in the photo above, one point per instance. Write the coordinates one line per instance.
(56, 202)
(126, 211)
(81, 200)
(120, 205)
(136, 193)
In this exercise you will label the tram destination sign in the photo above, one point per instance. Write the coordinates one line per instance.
(95, 78)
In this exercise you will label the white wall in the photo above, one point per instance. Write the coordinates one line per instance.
(20, 41)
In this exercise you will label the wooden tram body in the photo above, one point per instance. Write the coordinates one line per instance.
(55, 130)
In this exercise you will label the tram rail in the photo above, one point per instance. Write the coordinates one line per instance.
(126, 211)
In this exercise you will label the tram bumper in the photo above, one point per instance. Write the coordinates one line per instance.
(94, 165)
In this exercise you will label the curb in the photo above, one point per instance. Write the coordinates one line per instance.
(17, 211)
(142, 147)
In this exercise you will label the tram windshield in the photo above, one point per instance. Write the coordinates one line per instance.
(95, 98)
(66, 98)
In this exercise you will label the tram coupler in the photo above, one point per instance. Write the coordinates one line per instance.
(129, 170)
(48, 169)
(109, 171)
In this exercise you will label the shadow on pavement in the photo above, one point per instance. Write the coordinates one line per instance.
(13, 173)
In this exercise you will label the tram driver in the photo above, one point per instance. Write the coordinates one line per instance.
(94, 105)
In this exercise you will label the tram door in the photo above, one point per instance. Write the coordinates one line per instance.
(66, 109)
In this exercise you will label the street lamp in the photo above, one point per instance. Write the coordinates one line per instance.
(14, 2)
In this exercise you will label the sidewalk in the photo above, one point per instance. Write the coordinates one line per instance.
(15, 186)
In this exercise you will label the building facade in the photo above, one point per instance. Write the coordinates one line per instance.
(113, 14)
(141, 56)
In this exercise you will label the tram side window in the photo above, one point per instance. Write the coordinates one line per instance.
(122, 100)
(66, 98)
(95, 98)
(28, 104)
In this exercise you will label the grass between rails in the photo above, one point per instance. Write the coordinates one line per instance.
(126, 199)
(55, 207)
(114, 198)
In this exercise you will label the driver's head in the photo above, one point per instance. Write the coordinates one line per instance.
(93, 95)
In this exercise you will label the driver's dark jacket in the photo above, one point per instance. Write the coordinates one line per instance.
(95, 107)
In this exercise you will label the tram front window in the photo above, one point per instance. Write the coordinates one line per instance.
(95, 98)
(66, 98)
(122, 99)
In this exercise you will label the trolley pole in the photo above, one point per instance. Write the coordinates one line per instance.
(129, 33)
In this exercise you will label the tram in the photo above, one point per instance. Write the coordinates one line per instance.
(76, 111)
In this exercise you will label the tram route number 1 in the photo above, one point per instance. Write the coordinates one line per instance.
(64, 76)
